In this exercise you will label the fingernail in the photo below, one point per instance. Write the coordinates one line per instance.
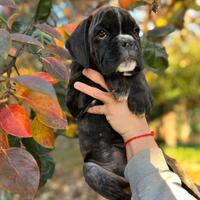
(85, 70)
(89, 110)
(76, 84)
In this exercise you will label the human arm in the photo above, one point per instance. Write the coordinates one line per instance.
(147, 171)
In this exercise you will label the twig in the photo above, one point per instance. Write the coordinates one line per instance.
(16, 70)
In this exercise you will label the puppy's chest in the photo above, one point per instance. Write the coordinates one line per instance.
(120, 87)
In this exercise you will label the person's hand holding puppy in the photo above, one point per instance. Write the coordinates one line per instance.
(122, 120)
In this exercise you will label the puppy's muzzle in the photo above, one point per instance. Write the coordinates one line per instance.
(127, 43)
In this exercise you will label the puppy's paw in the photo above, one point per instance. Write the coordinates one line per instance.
(140, 103)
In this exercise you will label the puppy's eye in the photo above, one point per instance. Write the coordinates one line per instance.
(102, 34)
(136, 31)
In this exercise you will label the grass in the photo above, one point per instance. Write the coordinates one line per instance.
(189, 159)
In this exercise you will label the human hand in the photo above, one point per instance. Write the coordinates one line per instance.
(122, 120)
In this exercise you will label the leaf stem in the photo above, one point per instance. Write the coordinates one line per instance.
(3, 20)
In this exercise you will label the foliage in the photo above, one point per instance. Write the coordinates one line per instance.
(29, 108)
(189, 160)
(179, 81)
(31, 93)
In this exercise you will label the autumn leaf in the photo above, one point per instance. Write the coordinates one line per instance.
(69, 28)
(44, 105)
(12, 19)
(8, 3)
(14, 120)
(127, 4)
(22, 38)
(59, 51)
(36, 83)
(19, 172)
(5, 43)
(65, 36)
(12, 52)
(54, 67)
(50, 121)
(49, 30)
(42, 134)
(46, 77)
(3, 140)
(71, 130)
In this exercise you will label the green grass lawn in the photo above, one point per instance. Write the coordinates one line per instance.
(189, 159)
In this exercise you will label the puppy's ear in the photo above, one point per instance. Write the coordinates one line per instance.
(78, 44)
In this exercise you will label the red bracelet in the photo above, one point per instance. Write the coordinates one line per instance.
(140, 136)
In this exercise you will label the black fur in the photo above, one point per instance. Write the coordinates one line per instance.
(101, 147)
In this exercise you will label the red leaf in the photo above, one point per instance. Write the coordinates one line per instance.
(19, 172)
(12, 51)
(49, 30)
(54, 67)
(3, 140)
(126, 4)
(46, 77)
(14, 120)
(69, 28)
(45, 106)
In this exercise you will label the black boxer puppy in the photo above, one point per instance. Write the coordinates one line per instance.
(108, 42)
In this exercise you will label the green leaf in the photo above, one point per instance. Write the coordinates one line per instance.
(195, 7)
(5, 43)
(47, 167)
(177, 18)
(160, 31)
(137, 4)
(34, 148)
(14, 141)
(3, 21)
(18, 27)
(155, 56)
(43, 11)
(45, 161)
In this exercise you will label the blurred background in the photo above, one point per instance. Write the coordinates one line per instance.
(175, 115)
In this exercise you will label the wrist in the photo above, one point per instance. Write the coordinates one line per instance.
(152, 134)
(136, 146)
(140, 128)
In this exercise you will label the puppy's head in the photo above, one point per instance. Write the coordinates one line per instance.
(110, 40)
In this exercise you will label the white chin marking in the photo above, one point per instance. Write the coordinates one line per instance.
(127, 74)
(126, 67)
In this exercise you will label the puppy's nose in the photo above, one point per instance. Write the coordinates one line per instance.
(126, 41)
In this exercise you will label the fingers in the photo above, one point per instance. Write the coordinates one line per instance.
(94, 92)
(101, 110)
(95, 77)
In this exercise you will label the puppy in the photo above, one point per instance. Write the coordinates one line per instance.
(108, 42)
